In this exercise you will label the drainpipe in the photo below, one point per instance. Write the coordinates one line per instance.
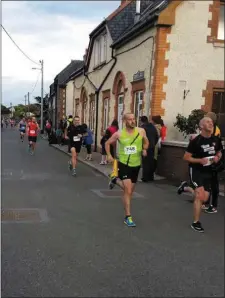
(92, 84)
(97, 92)
(148, 100)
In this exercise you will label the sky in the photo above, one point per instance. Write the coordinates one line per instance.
(55, 31)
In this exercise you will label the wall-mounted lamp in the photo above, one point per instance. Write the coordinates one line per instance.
(183, 85)
(185, 93)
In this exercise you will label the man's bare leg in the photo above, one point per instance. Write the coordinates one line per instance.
(200, 196)
(73, 160)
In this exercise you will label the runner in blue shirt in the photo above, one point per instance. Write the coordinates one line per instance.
(22, 128)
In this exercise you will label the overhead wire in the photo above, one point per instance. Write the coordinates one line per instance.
(35, 83)
(19, 47)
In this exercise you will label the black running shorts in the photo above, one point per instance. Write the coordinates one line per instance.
(200, 179)
(32, 139)
(76, 145)
(125, 172)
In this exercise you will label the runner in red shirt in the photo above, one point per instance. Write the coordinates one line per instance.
(32, 132)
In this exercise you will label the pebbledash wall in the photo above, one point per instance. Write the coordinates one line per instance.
(195, 63)
(187, 57)
(69, 98)
(119, 82)
(192, 62)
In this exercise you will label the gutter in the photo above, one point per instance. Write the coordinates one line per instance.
(97, 92)
(148, 101)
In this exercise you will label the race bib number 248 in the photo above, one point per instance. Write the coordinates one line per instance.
(130, 150)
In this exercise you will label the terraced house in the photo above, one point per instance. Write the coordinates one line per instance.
(155, 58)
(57, 98)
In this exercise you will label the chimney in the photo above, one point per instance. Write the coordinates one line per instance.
(138, 10)
(123, 2)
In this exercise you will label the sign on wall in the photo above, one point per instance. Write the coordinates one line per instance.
(140, 75)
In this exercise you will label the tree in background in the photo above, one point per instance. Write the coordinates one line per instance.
(4, 110)
(19, 111)
(45, 101)
(23, 111)
(45, 106)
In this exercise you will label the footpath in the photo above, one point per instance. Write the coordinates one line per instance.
(106, 169)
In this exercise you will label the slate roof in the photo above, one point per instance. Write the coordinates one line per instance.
(65, 74)
(122, 26)
(148, 15)
(125, 19)
(118, 22)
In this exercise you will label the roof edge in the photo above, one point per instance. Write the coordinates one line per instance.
(134, 33)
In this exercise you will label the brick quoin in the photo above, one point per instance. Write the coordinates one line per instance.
(60, 113)
(214, 9)
(166, 19)
(158, 95)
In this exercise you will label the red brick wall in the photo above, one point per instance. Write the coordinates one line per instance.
(158, 95)
(171, 164)
(214, 22)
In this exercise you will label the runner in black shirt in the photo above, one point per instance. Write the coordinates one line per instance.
(74, 132)
(202, 152)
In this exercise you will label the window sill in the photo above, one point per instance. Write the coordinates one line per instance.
(99, 66)
(219, 43)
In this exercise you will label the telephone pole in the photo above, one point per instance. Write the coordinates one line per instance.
(42, 90)
(42, 93)
(28, 102)
(11, 106)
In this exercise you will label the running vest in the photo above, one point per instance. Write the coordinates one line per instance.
(33, 129)
(22, 125)
(130, 148)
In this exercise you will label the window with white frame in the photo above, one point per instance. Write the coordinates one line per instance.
(220, 33)
(100, 49)
(138, 105)
(106, 114)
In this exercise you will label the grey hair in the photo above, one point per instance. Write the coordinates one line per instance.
(201, 122)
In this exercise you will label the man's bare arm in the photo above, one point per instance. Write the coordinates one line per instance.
(145, 140)
(111, 141)
(188, 157)
(65, 133)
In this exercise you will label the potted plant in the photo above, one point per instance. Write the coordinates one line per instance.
(189, 125)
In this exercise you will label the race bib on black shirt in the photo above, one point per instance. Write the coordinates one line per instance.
(201, 147)
(74, 131)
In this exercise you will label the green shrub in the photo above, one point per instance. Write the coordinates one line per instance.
(189, 125)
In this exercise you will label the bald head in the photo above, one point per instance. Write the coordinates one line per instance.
(129, 120)
(127, 116)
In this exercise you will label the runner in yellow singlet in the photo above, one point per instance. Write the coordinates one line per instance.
(133, 143)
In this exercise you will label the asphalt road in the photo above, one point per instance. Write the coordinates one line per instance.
(82, 248)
